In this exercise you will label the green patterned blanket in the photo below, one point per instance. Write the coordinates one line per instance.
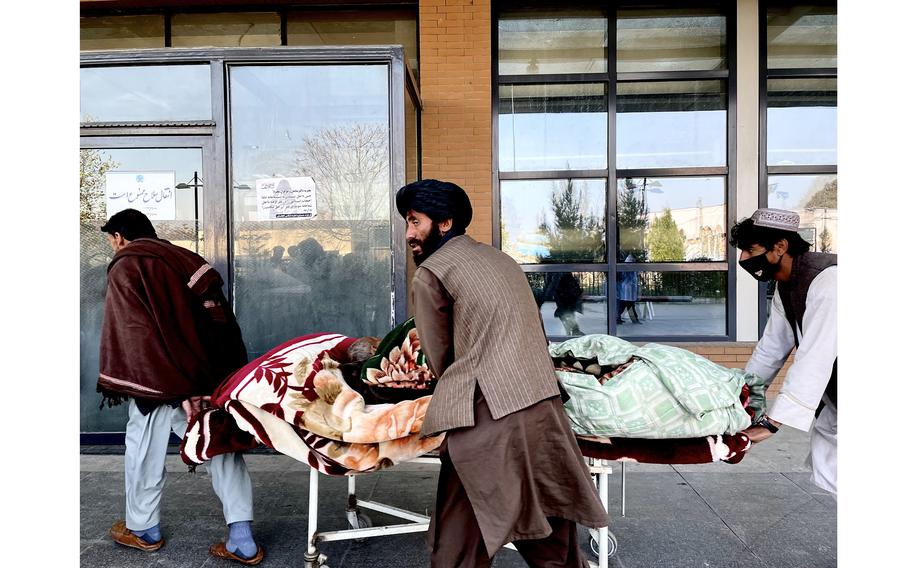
(659, 391)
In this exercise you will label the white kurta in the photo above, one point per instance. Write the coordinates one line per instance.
(804, 386)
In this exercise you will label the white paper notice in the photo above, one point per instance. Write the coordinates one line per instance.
(150, 192)
(286, 198)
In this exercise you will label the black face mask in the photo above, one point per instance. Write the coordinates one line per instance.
(760, 268)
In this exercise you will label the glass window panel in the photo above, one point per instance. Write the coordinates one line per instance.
(671, 124)
(671, 219)
(801, 36)
(328, 273)
(356, 27)
(151, 93)
(183, 229)
(552, 127)
(571, 303)
(673, 303)
(670, 40)
(121, 32)
(814, 198)
(541, 42)
(553, 220)
(662, 303)
(229, 29)
(802, 121)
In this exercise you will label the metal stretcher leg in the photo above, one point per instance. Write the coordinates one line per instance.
(312, 558)
(603, 532)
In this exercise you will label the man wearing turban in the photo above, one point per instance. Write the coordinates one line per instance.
(511, 469)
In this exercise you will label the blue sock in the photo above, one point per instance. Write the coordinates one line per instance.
(240, 539)
(150, 535)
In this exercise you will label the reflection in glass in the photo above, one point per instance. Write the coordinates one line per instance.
(571, 303)
(671, 124)
(814, 199)
(678, 303)
(662, 303)
(671, 219)
(228, 29)
(801, 36)
(566, 41)
(331, 273)
(552, 127)
(151, 93)
(121, 32)
(802, 121)
(363, 26)
(95, 252)
(547, 221)
(670, 40)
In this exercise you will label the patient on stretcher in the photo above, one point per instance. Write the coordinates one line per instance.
(655, 391)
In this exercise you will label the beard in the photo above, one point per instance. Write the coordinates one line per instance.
(428, 246)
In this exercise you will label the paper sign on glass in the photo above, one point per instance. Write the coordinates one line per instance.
(150, 192)
(286, 198)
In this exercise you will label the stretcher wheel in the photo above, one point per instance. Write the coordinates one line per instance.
(612, 544)
(360, 521)
(317, 562)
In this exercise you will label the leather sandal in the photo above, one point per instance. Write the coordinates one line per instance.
(219, 550)
(126, 537)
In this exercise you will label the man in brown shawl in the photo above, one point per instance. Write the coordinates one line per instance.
(511, 468)
(168, 339)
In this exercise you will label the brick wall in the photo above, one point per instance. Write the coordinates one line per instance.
(456, 87)
(734, 355)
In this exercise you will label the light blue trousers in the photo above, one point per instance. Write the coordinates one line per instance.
(146, 448)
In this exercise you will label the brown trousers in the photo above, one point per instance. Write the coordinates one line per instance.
(458, 542)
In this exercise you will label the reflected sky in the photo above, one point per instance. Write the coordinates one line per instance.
(162, 92)
(274, 109)
(802, 135)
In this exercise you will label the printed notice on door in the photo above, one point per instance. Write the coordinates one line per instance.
(149, 192)
(286, 198)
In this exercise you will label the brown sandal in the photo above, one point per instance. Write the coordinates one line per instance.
(219, 550)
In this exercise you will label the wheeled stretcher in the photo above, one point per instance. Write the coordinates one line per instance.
(362, 526)
(297, 400)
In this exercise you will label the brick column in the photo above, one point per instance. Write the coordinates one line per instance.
(455, 85)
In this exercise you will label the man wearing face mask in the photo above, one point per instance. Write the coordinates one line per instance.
(510, 468)
(803, 316)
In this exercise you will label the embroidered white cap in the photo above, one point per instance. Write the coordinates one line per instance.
(776, 219)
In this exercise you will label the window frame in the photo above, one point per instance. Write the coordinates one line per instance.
(764, 170)
(611, 79)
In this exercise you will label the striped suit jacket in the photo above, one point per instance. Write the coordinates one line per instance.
(497, 339)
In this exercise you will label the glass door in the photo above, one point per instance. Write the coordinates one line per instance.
(310, 177)
(164, 177)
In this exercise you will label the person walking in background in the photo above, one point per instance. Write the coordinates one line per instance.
(803, 317)
(510, 469)
(627, 293)
(168, 339)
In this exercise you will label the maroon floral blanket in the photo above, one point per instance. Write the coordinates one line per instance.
(294, 399)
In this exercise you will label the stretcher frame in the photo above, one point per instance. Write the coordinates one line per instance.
(362, 526)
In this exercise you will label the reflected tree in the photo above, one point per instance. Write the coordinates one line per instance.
(825, 198)
(573, 236)
(632, 215)
(350, 165)
(665, 240)
(92, 167)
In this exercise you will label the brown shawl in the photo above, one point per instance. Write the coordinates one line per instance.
(168, 331)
